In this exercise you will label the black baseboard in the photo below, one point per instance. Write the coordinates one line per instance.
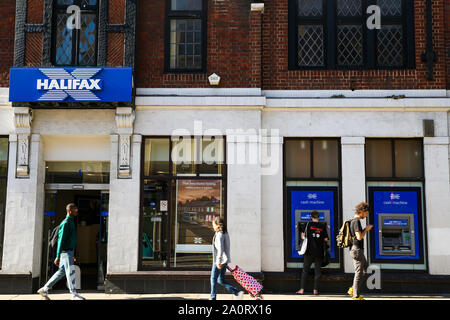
(18, 283)
(274, 283)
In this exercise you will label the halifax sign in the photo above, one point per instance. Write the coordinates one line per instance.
(70, 84)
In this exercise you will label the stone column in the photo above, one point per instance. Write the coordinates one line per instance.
(272, 243)
(353, 184)
(437, 199)
(24, 211)
(244, 201)
(124, 203)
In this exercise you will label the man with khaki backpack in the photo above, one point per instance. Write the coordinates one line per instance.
(357, 249)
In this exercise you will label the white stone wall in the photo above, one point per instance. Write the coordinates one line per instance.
(254, 200)
(437, 198)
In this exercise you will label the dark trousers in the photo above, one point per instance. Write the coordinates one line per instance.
(361, 265)
(218, 276)
(307, 261)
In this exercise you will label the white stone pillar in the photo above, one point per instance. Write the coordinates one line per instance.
(353, 184)
(24, 211)
(437, 198)
(124, 210)
(244, 201)
(272, 234)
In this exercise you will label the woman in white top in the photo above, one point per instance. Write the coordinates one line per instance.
(221, 258)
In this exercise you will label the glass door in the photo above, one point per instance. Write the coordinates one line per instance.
(155, 223)
(102, 240)
(48, 253)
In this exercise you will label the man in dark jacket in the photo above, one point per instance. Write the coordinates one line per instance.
(67, 241)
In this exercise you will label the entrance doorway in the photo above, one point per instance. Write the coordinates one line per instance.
(91, 227)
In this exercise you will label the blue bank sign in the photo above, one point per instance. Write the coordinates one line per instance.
(71, 84)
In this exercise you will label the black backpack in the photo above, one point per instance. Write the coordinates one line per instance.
(54, 235)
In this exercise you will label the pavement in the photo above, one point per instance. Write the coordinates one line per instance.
(95, 295)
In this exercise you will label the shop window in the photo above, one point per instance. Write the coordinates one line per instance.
(183, 190)
(185, 45)
(3, 180)
(156, 157)
(298, 158)
(312, 158)
(394, 158)
(77, 172)
(329, 34)
(75, 47)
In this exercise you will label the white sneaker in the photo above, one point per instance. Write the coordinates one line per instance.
(44, 292)
(76, 296)
(239, 295)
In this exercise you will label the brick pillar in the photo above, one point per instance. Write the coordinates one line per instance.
(255, 44)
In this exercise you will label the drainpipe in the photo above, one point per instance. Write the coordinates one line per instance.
(429, 56)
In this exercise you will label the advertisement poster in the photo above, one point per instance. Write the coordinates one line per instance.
(198, 202)
(399, 204)
(302, 203)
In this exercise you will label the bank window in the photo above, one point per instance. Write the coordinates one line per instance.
(183, 191)
(3, 180)
(312, 158)
(333, 34)
(394, 158)
(73, 46)
(185, 46)
(77, 172)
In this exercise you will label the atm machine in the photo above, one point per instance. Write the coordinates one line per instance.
(396, 234)
(396, 214)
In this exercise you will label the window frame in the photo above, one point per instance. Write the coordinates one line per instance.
(185, 14)
(5, 178)
(58, 9)
(311, 146)
(287, 206)
(370, 37)
(171, 179)
(393, 177)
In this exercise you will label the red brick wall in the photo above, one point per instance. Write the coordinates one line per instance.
(447, 40)
(276, 75)
(7, 18)
(228, 46)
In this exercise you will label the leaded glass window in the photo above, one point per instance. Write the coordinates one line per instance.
(72, 46)
(333, 34)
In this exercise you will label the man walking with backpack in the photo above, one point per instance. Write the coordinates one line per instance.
(357, 249)
(67, 240)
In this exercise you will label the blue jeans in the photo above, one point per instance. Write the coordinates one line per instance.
(218, 276)
(65, 269)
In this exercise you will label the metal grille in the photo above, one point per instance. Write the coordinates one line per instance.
(390, 7)
(390, 46)
(350, 45)
(349, 8)
(63, 54)
(186, 44)
(308, 8)
(186, 4)
(87, 40)
(310, 46)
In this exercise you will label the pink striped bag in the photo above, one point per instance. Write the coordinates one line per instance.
(247, 281)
